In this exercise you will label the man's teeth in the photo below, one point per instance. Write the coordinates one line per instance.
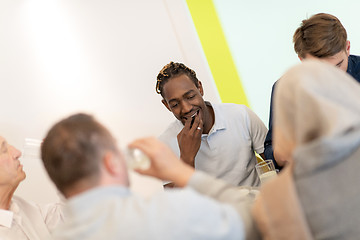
(195, 114)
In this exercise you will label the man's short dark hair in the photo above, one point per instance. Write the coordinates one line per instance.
(171, 70)
(73, 148)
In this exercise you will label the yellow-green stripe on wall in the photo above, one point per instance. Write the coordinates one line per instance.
(217, 51)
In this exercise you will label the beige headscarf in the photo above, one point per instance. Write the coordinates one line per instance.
(314, 100)
(315, 104)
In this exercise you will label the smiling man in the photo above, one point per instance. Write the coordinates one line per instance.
(324, 38)
(220, 139)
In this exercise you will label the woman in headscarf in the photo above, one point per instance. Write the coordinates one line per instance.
(317, 131)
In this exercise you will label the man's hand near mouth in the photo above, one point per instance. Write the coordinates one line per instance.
(189, 138)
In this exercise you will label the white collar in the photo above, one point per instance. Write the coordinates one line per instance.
(219, 121)
(6, 217)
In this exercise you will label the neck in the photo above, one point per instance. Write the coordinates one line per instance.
(85, 185)
(209, 119)
(6, 194)
(80, 186)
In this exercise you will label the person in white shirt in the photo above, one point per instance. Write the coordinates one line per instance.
(20, 219)
(83, 160)
(219, 139)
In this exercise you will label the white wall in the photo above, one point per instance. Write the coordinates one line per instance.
(100, 57)
(59, 57)
(259, 34)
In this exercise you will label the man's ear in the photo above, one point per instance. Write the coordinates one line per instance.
(348, 47)
(201, 90)
(301, 59)
(111, 163)
(166, 104)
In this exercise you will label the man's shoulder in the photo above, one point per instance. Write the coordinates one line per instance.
(25, 205)
(230, 106)
(231, 113)
(354, 61)
(21, 202)
(355, 57)
(232, 109)
(354, 67)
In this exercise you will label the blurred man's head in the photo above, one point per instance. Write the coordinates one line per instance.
(323, 36)
(11, 170)
(79, 153)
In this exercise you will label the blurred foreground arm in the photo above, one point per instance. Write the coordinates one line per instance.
(166, 166)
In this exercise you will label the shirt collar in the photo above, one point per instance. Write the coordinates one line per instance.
(95, 195)
(6, 216)
(219, 121)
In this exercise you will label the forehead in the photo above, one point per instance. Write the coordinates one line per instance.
(337, 56)
(177, 86)
(333, 60)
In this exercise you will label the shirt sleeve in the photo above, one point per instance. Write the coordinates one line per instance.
(241, 198)
(257, 130)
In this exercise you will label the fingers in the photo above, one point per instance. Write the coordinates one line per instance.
(194, 125)
(140, 144)
(149, 172)
(156, 150)
(149, 146)
(198, 124)
(188, 123)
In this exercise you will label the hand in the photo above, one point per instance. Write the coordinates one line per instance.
(189, 139)
(165, 165)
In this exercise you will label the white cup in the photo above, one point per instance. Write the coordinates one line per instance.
(136, 159)
(266, 170)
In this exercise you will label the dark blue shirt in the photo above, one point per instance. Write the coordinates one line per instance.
(353, 69)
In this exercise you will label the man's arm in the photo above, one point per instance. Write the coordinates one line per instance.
(268, 148)
(241, 198)
(166, 166)
(257, 131)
